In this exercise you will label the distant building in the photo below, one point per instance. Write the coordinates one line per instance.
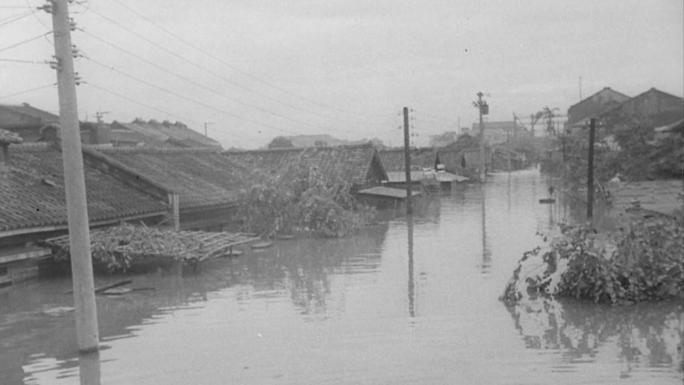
(158, 134)
(653, 107)
(500, 132)
(27, 121)
(591, 107)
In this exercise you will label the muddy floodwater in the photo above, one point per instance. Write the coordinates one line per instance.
(401, 303)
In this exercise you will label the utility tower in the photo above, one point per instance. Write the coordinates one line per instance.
(483, 109)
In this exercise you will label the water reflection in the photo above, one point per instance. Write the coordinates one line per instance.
(642, 335)
(89, 365)
(411, 281)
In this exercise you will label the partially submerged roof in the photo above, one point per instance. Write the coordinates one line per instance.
(201, 177)
(416, 176)
(272, 161)
(353, 164)
(32, 196)
(421, 158)
(388, 192)
(349, 163)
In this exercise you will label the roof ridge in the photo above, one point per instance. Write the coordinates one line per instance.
(157, 150)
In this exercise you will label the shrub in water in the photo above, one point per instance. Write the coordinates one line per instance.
(643, 262)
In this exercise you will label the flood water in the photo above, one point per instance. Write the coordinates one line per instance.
(404, 302)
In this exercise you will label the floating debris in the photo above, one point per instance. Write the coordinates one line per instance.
(125, 247)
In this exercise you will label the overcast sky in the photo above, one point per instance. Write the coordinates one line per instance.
(255, 69)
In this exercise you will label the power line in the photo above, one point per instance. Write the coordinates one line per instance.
(176, 94)
(195, 64)
(11, 19)
(196, 84)
(131, 100)
(22, 61)
(233, 67)
(24, 41)
(27, 91)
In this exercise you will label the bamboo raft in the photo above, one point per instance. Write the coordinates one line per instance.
(122, 248)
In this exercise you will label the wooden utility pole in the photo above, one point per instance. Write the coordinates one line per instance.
(483, 109)
(590, 170)
(74, 183)
(407, 162)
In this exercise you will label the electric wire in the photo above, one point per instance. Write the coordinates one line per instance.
(197, 65)
(22, 61)
(233, 67)
(27, 91)
(14, 18)
(181, 96)
(196, 84)
(148, 106)
(24, 41)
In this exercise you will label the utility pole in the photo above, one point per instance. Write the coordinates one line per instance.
(407, 162)
(74, 183)
(483, 109)
(590, 170)
(99, 115)
(206, 125)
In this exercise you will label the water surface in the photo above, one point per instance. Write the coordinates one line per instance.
(404, 302)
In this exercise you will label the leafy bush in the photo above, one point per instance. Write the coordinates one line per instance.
(302, 200)
(643, 262)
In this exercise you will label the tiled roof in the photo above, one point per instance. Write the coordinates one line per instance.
(393, 160)
(177, 133)
(201, 177)
(273, 161)
(33, 112)
(32, 192)
(349, 163)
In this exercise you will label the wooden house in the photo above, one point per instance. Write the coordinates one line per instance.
(200, 184)
(33, 207)
(359, 166)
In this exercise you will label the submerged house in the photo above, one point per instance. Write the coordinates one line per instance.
(426, 168)
(200, 184)
(464, 161)
(359, 166)
(33, 205)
